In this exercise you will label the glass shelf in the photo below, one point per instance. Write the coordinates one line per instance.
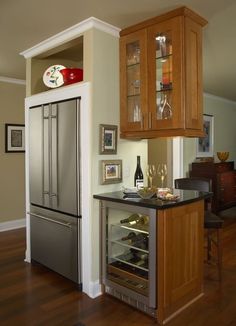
(125, 244)
(139, 228)
(121, 258)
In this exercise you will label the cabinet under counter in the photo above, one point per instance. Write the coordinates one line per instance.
(170, 277)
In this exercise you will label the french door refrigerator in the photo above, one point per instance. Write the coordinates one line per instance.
(54, 165)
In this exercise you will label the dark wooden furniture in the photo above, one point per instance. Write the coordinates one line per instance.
(212, 223)
(223, 178)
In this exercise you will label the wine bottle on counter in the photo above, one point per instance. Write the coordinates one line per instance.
(138, 176)
(135, 219)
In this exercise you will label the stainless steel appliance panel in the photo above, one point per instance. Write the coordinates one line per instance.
(54, 156)
(64, 174)
(36, 150)
(54, 241)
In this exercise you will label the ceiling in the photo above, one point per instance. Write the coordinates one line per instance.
(24, 23)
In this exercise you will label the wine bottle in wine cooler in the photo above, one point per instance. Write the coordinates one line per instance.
(130, 236)
(138, 176)
(136, 219)
(139, 240)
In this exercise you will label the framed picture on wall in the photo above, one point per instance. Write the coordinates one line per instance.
(204, 145)
(14, 138)
(111, 171)
(108, 139)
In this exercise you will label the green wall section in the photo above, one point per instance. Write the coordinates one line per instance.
(12, 176)
(224, 113)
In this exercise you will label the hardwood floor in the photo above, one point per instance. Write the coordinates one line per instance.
(32, 295)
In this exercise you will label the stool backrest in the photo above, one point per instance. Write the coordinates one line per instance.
(194, 183)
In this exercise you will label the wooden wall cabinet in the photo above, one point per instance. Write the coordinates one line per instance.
(161, 76)
(223, 178)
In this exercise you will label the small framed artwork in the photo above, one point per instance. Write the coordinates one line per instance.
(205, 144)
(111, 171)
(14, 138)
(108, 139)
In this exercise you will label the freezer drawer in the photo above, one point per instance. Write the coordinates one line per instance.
(54, 242)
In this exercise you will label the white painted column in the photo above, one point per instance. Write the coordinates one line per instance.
(177, 158)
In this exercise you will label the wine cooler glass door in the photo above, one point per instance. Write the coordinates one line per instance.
(129, 238)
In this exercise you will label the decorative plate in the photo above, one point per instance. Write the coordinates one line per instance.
(52, 77)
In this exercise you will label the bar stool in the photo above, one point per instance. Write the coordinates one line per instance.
(212, 223)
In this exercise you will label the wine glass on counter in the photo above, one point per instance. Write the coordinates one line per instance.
(151, 173)
(162, 172)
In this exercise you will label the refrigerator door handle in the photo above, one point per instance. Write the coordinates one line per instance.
(68, 225)
(45, 158)
(54, 153)
(50, 152)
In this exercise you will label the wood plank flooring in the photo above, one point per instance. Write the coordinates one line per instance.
(31, 295)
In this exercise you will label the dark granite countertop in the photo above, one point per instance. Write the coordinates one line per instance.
(185, 197)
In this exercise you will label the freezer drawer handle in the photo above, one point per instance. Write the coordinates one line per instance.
(68, 225)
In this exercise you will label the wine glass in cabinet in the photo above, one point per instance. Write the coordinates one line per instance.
(133, 85)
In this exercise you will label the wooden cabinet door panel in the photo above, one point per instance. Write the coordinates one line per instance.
(180, 245)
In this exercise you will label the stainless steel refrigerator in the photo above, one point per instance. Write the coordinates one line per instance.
(54, 156)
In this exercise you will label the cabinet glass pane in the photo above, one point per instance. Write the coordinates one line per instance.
(133, 81)
(164, 79)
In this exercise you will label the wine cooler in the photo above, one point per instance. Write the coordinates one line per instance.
(129, 254)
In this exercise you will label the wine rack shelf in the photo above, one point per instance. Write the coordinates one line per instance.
(128, 279)
(128, 254)
(125, 244)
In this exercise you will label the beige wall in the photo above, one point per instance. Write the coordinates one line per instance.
(224, 113)
(104, 75)
(12, 176)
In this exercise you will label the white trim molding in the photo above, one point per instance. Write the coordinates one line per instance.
(177, 158)
(12, 225)
(71, 91)
(70, 34)
(95, 289)
(12, 80)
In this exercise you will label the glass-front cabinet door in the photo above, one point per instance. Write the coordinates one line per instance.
(165, 71)
(133, 80)
(161, 76)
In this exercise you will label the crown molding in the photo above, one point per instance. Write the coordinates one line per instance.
(222, 99)
(12, 80)
(69, 34)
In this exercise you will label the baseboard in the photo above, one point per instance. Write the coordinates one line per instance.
(11, 225)
(95, 289)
